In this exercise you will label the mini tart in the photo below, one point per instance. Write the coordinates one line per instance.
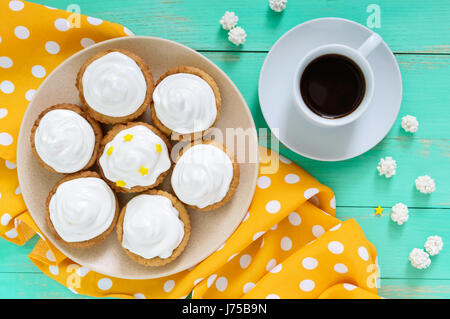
(98, 193)
(183, 216)
(105, 67)
(77, 144)
(122, 160)
(191, 71)
(181, 175)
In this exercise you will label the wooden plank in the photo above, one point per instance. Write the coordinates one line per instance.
(414, 289)
(394, 242)
(412, 26)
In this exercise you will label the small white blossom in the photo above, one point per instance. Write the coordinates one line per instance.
(229, 20)
(419, 258)
(434, 245)
(277, 5)
(237, 36)
(400, 213)
(425, 184)
(387, 166)
(410, 123)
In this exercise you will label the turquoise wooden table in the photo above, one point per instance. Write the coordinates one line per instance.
(419, 34)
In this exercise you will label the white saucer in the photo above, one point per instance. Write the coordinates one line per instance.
(296, 132)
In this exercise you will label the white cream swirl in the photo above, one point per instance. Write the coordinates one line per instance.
(82, 209)
(114, 85)
(64, 140)
(135, 157)
(151, 227)
(202, 175)
(185, 103)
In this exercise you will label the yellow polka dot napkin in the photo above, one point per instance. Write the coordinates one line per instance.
(289, 245)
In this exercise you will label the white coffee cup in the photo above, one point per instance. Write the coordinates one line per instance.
(358, 56)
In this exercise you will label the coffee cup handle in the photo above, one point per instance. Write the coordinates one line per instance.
(370, 44)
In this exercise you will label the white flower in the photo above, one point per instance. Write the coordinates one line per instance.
(410, 123)
(425, 184)
(386, 166)
(419, 258)
(434, 245)
(400, 213)
(229, 20)
(277, 5)
(237, 36)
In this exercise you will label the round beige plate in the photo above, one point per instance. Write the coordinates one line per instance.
(209, 229)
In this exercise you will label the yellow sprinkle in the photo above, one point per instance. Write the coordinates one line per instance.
(120, 183)
(109, 151)
(158, 148)
(143, 170)
(127, 138)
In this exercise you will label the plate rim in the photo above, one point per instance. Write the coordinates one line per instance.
(293, 149)
(22, 134)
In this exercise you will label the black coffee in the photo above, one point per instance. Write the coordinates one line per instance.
(332, 86)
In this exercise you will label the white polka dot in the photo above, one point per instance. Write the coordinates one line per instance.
(286, 243)
(274, 227)
(5, 62)
(10, 165)
(54, 270)
(363, 253)
(127, 31)
(7, 87)
(139, 296)
(333, 203)
(318, 230)
(169, 285)
(18, 190)
(262, 243)
(336, 247)
(248, 286)
(310, 192)
(349, 287)
(52, 47)
(3, 113)
(94, 21)
(263, 182)
(285, 160)
(50, 256)
(273, 206)
(245, 261)
(295, 219)
(272, 296)
(12, 233)
(5, 219)
(334, 228)
(246, 217)
(83, 271)
(291, 178)
(5, 139)
(211, 280)
(340, 268)
(221, 283)
(29, 94)
(257, 235)
(309, 263)
(197, 281)
(62, 24)
(307, 285)
(21, 32)
(276, 269)
(16, 5)
(38, 71)
(86, 42)
(272, 263)
(221, 246)
(72, 290)
(104, 284)
(232, 256)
